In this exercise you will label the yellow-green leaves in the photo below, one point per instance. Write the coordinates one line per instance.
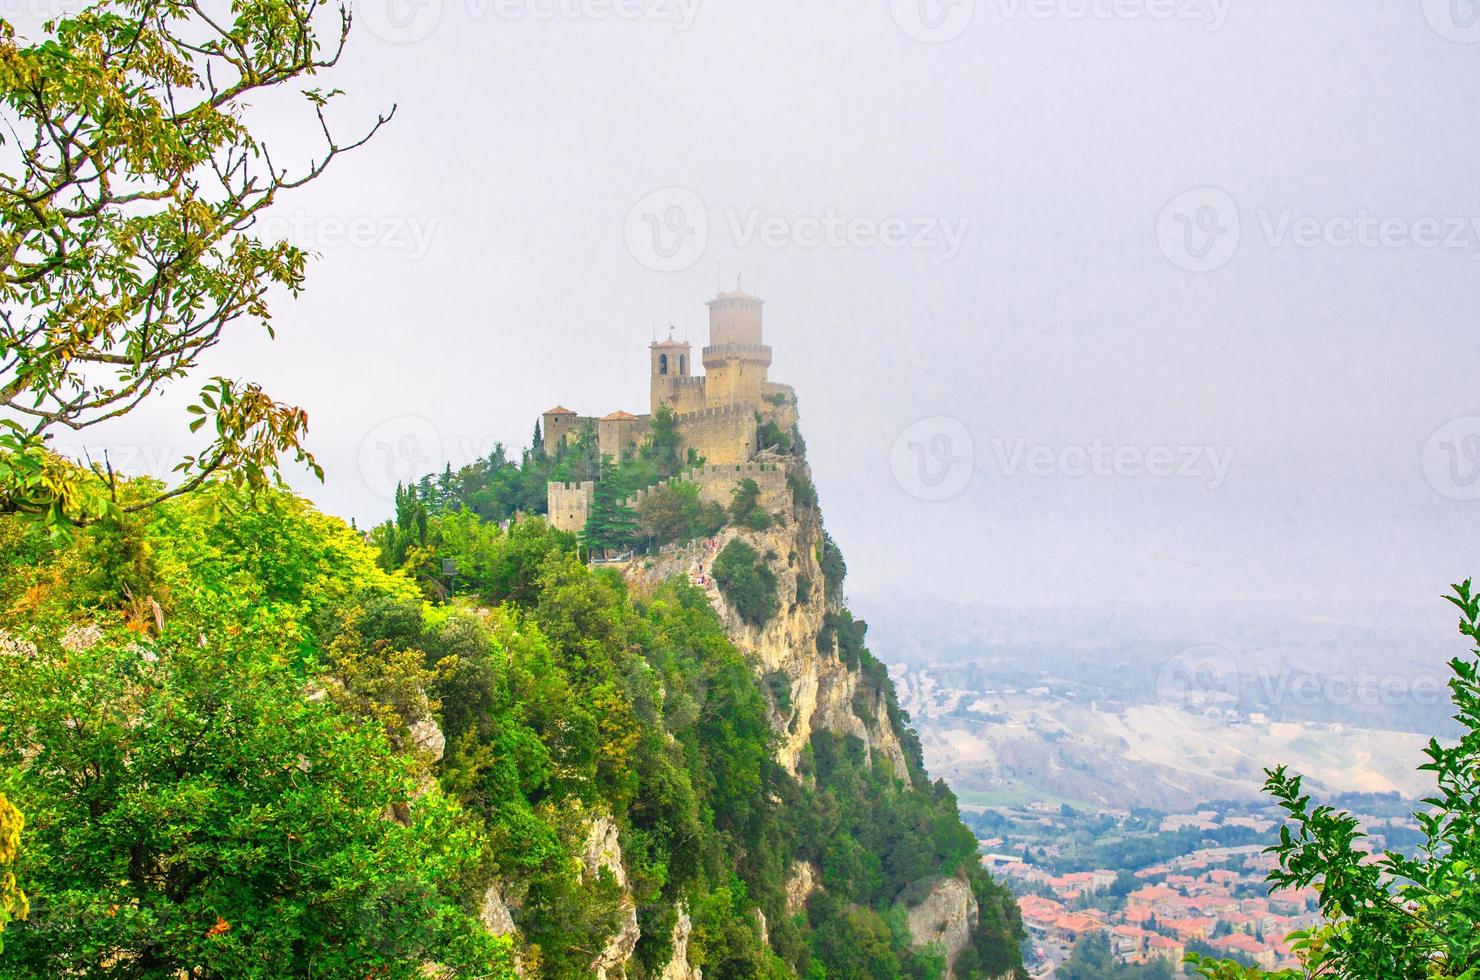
(129, 231)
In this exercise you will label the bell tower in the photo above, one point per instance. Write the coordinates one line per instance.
(671, 382)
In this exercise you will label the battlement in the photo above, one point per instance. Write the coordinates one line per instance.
(719, 353)
(717, 483)
(719, 412)
(569, 503)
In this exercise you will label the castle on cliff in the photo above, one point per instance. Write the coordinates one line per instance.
(716, 414)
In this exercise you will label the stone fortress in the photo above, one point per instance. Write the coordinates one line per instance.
(717, 414)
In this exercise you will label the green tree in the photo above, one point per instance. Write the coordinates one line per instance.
(127, 222)
(611, 525)
(1091, 959)
(12, 900)
(1401, 917)
(662, 446)
(197, 813)
(745, 509)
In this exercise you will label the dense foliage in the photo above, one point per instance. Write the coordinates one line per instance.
(1092, 959)
(13, 903)
(1398, 916)
(747, 582)
(244, 749)
(198, 796)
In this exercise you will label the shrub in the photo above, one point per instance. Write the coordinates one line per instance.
(745, 508)
(746, 582)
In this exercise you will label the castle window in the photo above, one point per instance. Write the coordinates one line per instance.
(662, 363)
(683, 367)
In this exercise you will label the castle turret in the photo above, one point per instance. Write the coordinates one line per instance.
(736, 360)
(671, 383)
(556, 424)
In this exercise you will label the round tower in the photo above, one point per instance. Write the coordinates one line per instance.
(736, 360)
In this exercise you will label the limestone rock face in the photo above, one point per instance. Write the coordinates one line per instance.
(427, 736)
(495, 912)
(801, 883)
(946, 916)
(823, 691)
(611, 962)
(603, 851)
(679, 967)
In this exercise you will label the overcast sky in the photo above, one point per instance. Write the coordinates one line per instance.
(1165, 298)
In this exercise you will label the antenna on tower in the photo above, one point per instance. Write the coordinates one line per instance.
(719, 282)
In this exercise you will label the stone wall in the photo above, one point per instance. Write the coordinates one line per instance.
(720, 435)
(614, 436)
(570, 504)
(717, 483)
(681, 393)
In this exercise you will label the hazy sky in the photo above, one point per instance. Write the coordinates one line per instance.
(973, 229)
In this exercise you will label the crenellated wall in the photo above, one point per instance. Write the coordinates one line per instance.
(720, 435)
(681, 393)
(570, 504)
(717, 484)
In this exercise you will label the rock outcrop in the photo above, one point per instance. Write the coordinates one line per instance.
(603, 852)
(945, 917)
(823, 691)
(801, 883)
(678, 966)
(495, 913)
